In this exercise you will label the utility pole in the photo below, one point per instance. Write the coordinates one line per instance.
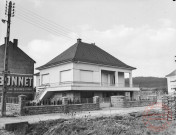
(10, 13)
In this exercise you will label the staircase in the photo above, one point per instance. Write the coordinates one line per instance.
(39, 95)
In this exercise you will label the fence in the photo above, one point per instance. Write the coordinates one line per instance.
(105, 100)
(61, 106)
(59, 102)
(14, 100)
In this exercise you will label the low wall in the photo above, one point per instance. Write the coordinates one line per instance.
(33, 110)
(22, 109)
(12, 108)
(138, 103)
(119, 101)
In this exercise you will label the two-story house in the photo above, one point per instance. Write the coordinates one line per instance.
(83, 71)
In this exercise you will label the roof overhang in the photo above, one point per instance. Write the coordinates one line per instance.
(65, 62)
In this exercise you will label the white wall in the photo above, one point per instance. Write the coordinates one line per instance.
(76, 75)
(96, 69)
(37, 81)
(91, 68)
(86, 75)
(66, 75)
(54, 72)
(45, 78)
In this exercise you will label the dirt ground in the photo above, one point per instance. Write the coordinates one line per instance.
(128, 124)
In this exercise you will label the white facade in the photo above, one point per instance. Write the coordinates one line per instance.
(56, 74)
(82, 73)
(171, 83)
(83, 77)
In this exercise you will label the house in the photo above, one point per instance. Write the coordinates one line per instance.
(171, 82)
(83, 71)
(21, 71)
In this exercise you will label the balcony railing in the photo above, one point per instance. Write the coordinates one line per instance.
(76, 83)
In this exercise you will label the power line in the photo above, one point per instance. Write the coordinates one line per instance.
(34, 19)
(42, 24)
(42, 27)
(45, 19)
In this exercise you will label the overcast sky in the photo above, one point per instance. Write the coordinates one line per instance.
(141, 33)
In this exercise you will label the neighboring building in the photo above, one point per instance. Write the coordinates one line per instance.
(21, 68)
(171, 82)
(83, 71)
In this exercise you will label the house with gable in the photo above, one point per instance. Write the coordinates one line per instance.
(83, 71)
(21, 71)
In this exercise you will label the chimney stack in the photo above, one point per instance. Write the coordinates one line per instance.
(78, 40)
(15, 42)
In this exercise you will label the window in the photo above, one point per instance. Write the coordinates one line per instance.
(45, 78)
(107, 77)
(65, 76)
(86, 75)
(104, 78)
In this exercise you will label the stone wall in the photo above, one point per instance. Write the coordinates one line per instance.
(22, 109)
(12, 108)
(127, 104)
(119, 101)
(33, 110)
(169, 107)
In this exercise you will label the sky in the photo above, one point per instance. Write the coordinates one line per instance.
(141, 33)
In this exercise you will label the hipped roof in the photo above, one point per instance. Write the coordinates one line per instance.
(89, 53)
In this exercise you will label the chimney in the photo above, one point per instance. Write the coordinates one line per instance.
(78, 40)
(15, 42)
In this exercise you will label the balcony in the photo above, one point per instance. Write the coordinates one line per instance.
(88, 86)
(83, 86)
